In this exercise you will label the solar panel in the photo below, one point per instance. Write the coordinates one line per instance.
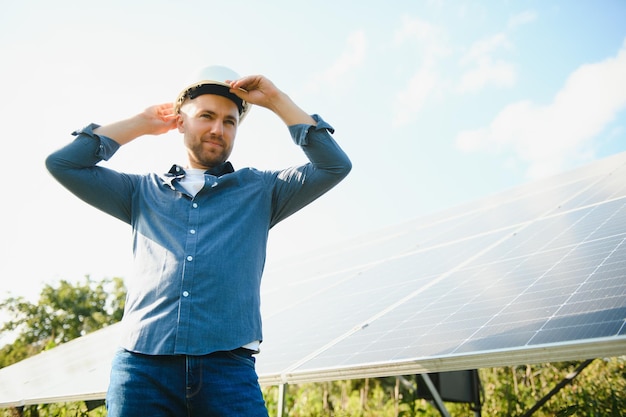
(533, 274)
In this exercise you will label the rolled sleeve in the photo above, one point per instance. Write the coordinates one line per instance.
(107, 146)
(75, 166)
(300, 132)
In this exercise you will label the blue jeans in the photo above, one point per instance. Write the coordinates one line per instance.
(218, 384)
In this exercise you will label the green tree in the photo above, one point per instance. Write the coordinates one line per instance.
(63, 312)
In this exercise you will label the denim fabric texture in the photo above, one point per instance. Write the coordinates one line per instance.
(198, 261)
(221, 384)
(193, 299)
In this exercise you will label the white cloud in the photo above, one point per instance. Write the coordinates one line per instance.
(523, 18)
(429, 37)
(484, 68)
(484, 48)
(352, 58)
(498, 73)
(411, 100)
(416, 28)
(431, 45)
(547, 137)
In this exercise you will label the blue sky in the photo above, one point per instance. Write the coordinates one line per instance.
(436, 102)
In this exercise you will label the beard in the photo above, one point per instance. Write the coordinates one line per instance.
(208, 153)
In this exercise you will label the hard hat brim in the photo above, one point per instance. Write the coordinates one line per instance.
(211, 87)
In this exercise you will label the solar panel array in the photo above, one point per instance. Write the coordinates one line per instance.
(534, 274)
(537, 273)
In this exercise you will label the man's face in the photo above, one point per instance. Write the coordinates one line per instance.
(209, 125)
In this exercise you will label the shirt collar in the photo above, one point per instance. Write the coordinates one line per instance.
(177, 172)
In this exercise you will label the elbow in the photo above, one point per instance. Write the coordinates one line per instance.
(58, 166)
(338, 170)
(52, 164)
(346, 168)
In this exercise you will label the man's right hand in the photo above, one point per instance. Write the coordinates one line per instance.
(155, 120)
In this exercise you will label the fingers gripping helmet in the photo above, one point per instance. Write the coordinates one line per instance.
(212, 80)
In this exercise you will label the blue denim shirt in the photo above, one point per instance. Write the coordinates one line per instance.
(198, 261)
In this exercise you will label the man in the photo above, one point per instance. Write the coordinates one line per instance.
(192, 316)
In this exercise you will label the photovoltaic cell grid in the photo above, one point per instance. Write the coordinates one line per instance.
(540, 267)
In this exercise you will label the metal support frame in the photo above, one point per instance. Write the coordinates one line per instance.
(435, 394)
(282, 395)
(565, 381)
(453, 386)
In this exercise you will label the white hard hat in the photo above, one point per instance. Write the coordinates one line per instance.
(212, 80)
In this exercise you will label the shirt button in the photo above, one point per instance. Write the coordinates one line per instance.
(190, 258)
(185, 294)
(192, 231)
(194, 205)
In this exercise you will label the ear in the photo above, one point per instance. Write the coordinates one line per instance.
(180, 124)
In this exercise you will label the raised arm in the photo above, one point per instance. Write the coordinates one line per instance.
(257, 89)
(75, 165)
(154, 120)
(296, 187)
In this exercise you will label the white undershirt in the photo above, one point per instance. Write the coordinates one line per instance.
(193, 181)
